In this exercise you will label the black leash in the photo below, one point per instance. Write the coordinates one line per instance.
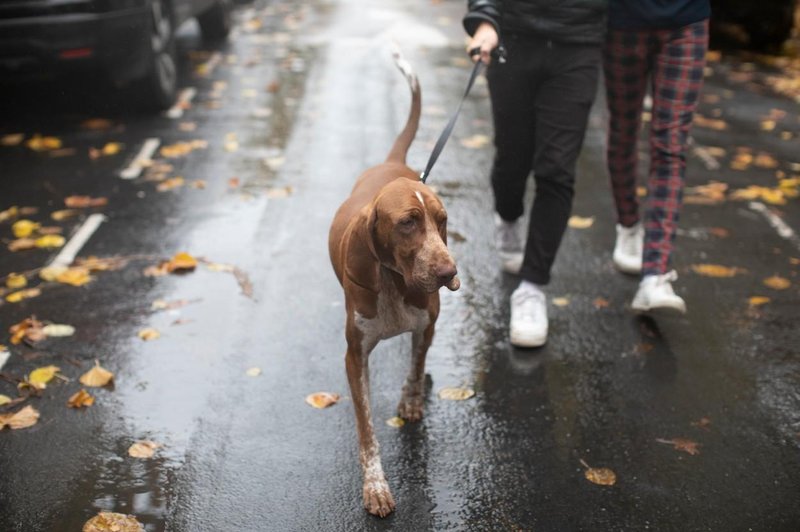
(449, 128)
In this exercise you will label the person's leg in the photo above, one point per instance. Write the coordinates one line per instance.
(677, 81)
(562, 107)
(625, 67)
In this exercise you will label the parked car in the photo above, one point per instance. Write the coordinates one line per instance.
(130, 41)
(768, 23)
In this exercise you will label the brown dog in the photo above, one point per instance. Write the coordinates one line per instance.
(388, 246)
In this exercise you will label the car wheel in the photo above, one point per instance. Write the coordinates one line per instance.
(159, 85)
(215, 22)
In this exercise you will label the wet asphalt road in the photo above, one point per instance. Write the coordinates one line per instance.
(311, 97)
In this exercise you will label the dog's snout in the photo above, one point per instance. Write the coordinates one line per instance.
(445, 272)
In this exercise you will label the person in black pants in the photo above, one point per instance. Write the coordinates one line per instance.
(542, 84)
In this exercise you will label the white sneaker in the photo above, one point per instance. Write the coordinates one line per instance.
(509, 245)
(628, 248)
(528, 326)
(655, 293)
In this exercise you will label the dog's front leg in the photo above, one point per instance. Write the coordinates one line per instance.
(378, 499)
(413, 398)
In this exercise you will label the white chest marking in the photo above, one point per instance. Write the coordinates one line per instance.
(394, 317)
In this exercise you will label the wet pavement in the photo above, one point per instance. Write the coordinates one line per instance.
(301, 99)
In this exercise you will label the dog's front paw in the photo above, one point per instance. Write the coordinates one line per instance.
(378, 499)
(411, 406)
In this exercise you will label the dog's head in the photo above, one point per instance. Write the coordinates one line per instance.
(409, 231)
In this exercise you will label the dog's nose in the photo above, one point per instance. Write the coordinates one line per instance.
(445, 272)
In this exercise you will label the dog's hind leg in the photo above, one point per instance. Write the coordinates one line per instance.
(413, 398)
(378, 498)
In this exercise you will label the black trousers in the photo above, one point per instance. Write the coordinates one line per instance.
(541, 97)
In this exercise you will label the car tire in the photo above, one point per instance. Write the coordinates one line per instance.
(216, 22)
(158, 88)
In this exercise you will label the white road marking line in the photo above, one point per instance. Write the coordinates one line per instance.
(702, 153)
(135, 168)
(184, 98)
(70, 251)
(4, 358)
(784, 231)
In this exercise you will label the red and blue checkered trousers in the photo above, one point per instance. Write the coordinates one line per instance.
(674, 60)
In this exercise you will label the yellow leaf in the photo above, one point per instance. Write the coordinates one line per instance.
(600, 475)
(253, 372)
(475, 141)
(22, 419)
(560, 301)
(4, 399)
(96, 377)
(24, 228)
(75, 276)
(51, 273)
(63, 214)
(765, 160)
(80, 399)
(757, 301)
(40, 143)
(396, 422)
(322, 399)
(41, 376)
(143, 449)
(579, 222)
(170, 184)
(716, 270)
(50, 241)
(16, 297)
(777, 283)
(15, 281)
(456, 394)
(112, 522)
(11, 212)
(181, 262)
(149, 334)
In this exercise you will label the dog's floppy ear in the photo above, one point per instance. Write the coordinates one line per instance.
(362, 265)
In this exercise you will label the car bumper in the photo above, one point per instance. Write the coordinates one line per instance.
(43, 46)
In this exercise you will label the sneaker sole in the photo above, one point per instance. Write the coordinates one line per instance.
(527, 341)
(665, 311)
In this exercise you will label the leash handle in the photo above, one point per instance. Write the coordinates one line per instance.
(437, 149)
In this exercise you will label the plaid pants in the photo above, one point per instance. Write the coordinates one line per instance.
(674, 59)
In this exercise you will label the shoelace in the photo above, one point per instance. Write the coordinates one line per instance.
(528, 304)
(631, 243)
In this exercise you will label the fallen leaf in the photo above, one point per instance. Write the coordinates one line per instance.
(96, 377)
(24, 228)
(579, 222)
(75, 276)
(12, 139)
(716, 270)
(50, 241)
(322, 399)
(601, 302)
(475, 141)
(21, 419)
(768, 125)
(765, 160)
(15, 281)
(50, 273)
(231, 144)
(233, 182)
(80, 399)
(143, 449)
(702, 423)
(710, 194)
(101, 264)
(41, 376)
(4, 399)
(97, 124)
(29, 329)
(253, 372)
(149, 334)
(710, 123)
(757, 301)
(40, 143)
(28, 293)
(170, 184)
(162, 304)
(82, 202)
(280, 192)
(456, 394)
(181, 262)
(777, 283)
(396, 422)
(599, 475)
(21, 244)
(198, 184)
(187, 126)
(682, 444)
(560, 301)
(112, 522)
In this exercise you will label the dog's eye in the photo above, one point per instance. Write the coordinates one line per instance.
(407, 224)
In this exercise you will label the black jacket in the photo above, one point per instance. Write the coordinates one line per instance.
(574, 21)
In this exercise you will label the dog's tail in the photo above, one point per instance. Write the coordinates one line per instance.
(406, 137)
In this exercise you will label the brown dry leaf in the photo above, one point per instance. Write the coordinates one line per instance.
(29, 329)
(702, 423)
(475, 141)
(21, 419)
(710, 123)
(599, 475)
(198, 184)
(39, 377)
(40, 143)
(96, 377)
(15, 281)
(24, 228)
(161, 304)
(757, 301)
(456, 394)
(12, 139)
(774, 196)
(580, 222)
(101, 264)
(396, 422)
(8, 214)
(716, 270)
(4, 399)
(74, 276)
(233, 182)
(181, 262)
(80, 399)
(112, 522)
(50, 241)
(28, 293)
(682, 444)
(82, 202)
(280, 192)
(560, 301)
(51, 230)
(322, 399)
(710, 194)
(180, 149)
(601, 302)
(143, 449)
(777, 283)
(220, 267)
(768, 125)
(157, 270)
(742, 160)
(63, 214)
(97, 124)
(765, 160)
(149, 334)
(22, 244)
(170, 184)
